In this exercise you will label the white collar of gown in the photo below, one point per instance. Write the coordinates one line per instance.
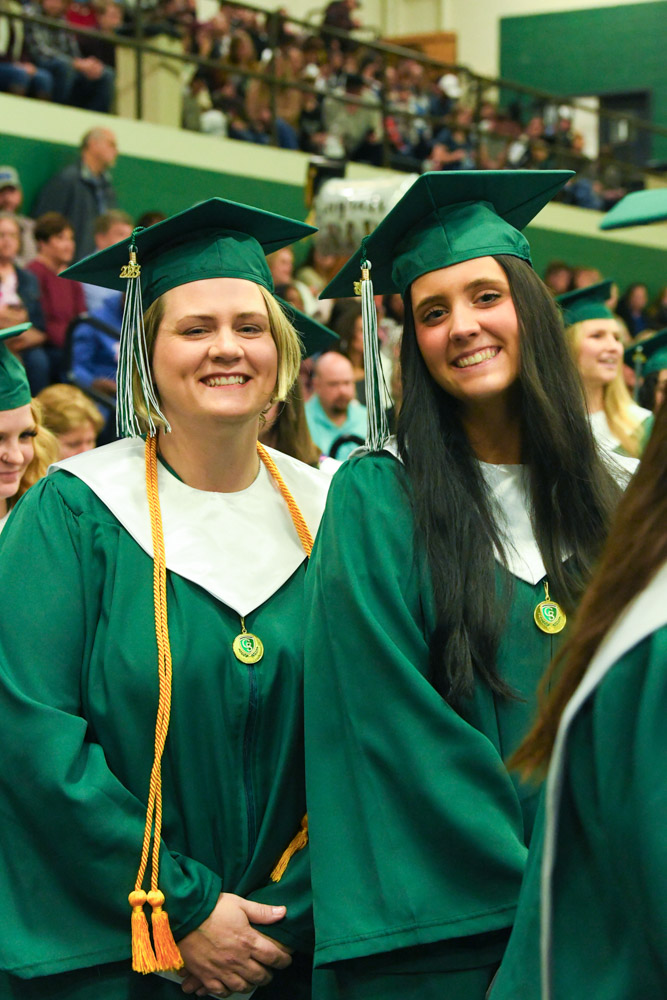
(240, 547)
(509, 486)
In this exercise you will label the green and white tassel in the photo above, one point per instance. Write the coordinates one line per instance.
(638, 361)
(377, 433)
(133, 356)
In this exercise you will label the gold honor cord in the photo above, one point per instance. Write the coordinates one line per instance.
(248, 647)
(163, 954)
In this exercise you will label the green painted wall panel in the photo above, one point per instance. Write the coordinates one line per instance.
(594, 51)
(622, 262)
(144, 185)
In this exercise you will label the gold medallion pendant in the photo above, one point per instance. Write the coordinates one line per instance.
(548, 615)
(248, 648)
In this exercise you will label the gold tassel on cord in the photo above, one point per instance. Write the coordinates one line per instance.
(297, 843)
(143, 956)
(166, 950)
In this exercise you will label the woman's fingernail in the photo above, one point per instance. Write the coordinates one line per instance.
(277, 909)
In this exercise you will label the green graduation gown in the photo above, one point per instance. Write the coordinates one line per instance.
(592, 916)
(78, 699)
(418, 832)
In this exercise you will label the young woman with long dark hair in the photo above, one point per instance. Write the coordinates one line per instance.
(445, 566)
(601, 861)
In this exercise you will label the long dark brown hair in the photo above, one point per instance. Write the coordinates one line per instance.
(635, 551)
(572, 493)
(289, 432)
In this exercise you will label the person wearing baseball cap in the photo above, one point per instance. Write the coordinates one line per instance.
(11, 199)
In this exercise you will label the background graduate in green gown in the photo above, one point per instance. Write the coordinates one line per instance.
(107, 618)
(594, 337)
(428, 577)
(27, 447)
(592, 917)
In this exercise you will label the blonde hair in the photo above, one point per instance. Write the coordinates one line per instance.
(65, 408)
(286, 340)
(617, 400)
(47, 451)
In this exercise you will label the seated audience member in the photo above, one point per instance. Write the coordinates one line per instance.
(358, 127)
(454, 148)
(17, 74)
(27, 447)
(332, 411)
(318, 269)
(558, 277)
(281, 265)
(150, 218)
(350, 329)
(632, 308)
(83, 190)
(110, 227)
(61, 300)
(72, 417)
(94, 357)
(108, 17)
(290, 293)
(20, 303)
(11, 199)
(657, 313)
(83, 81)
(582, 277)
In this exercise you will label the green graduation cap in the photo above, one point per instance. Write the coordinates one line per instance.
(14, 387)
(649, 355)
(639, 208)
(447, 217)
(315, 337)
(213, 239)
(586, 303)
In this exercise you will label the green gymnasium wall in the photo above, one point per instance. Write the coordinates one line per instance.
(594, 51)
(154, 172)
(144, 185)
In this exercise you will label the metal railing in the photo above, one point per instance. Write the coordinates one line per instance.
(477, 88)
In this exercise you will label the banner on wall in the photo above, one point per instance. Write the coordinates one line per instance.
(346, 211)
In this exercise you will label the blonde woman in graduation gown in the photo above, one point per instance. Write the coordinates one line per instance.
(151, 643)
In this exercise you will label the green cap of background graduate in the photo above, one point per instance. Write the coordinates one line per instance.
(649, 355)
(14, 388)
(586, 303)
(214, 239)
(447, 217)
(640, 208)
(315, 337)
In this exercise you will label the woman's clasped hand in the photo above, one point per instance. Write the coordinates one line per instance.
(226, 954)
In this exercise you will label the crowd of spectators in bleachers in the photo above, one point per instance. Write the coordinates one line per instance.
(75, 329)
(357, 105)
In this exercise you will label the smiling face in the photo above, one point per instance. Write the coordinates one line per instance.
(10, 240)
(215, 357)
(467, 329)
(17, 433)
(600, 352)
